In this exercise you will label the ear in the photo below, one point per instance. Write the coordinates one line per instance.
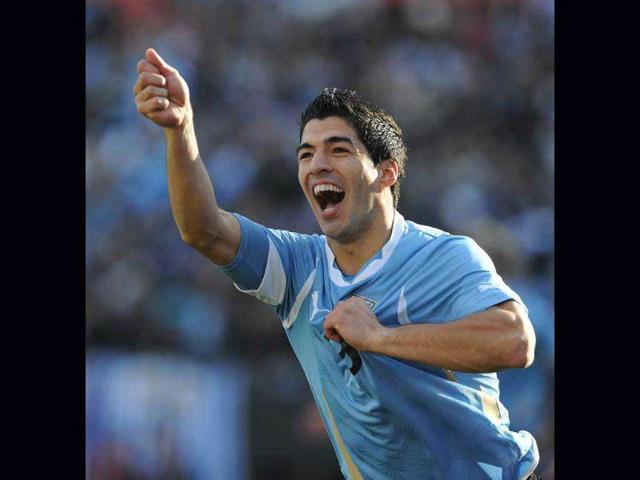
(388, 172)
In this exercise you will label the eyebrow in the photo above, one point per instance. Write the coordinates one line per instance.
(329, 140)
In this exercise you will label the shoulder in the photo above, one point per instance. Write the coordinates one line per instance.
(288, 236)
(444, 244)
(432, 237)
(281, 237)
(421, 236)
(424, 232)
(298, 244)
(299, 252)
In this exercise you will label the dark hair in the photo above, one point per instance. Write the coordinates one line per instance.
(376, 129)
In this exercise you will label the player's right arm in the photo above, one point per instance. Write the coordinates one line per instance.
(162, 96)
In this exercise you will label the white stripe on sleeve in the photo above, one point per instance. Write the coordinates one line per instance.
(274, 282)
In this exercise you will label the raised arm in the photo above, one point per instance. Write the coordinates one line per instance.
(162, 96)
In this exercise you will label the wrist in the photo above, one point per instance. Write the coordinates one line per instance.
(181, 131)
(379, 339)
(183, 137)
(185, 125)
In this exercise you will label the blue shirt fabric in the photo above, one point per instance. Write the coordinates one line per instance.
(390, 418)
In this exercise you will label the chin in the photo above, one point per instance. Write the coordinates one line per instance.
(341, 233)
(339, 228)
(331, 229)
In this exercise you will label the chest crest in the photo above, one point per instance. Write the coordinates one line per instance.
(370, 303)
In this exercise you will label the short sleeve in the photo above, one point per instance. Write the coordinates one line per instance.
(269, 262)
(471, 281)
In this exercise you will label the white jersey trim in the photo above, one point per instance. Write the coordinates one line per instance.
(387, 250)
(403, 317)
(274, 282)
(536, 456)
(304, 291)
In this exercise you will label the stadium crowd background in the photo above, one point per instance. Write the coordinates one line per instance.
(186, 378)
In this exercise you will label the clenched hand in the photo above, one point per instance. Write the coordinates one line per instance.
(161, 94)
(354, 322)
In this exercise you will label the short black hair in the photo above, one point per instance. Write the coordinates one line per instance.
(376, 129)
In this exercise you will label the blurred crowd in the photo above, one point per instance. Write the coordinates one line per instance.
(471, 83)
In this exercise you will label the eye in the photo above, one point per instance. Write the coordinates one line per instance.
(340, 150)
(304, 155)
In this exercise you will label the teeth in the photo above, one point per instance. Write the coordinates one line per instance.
(326, 187)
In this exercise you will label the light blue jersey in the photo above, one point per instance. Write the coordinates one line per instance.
(389, 418)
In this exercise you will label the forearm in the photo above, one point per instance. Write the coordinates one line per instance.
(488, 341)
(193, 203)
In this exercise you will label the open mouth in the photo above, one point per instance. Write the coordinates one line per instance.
(328, 196)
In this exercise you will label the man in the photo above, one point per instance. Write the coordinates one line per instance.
(399, 327)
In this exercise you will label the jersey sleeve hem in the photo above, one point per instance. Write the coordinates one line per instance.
(498, 296)
(248, 267)
(229, 267)
(273, 286)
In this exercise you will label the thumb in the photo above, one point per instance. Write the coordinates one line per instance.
(154, 58)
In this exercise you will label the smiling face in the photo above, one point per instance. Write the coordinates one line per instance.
(338, 177)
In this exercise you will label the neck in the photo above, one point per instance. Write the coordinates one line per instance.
(351, 256)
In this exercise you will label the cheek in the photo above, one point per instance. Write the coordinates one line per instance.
(364, 180)
(371, 175)
(301, 178)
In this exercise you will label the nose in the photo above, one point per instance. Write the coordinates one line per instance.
(320, 163)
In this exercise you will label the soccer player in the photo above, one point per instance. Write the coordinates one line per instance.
(399, 327)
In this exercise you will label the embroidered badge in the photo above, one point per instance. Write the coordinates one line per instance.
(370, 303)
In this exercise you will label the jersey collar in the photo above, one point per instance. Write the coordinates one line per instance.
(375, 265)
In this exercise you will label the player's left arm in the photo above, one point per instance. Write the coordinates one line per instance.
(497, 338)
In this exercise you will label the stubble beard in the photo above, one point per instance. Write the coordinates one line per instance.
(355, 228)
